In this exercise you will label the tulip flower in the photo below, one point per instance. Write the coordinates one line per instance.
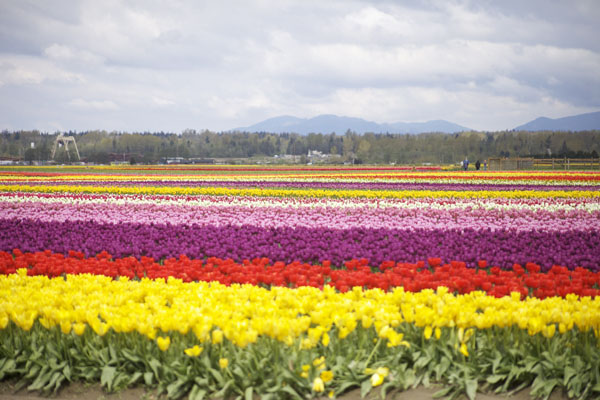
(428, 331)
(318, 385)
(319, 362)
(377, 379)
(193, 351)
(79, 328)
(217, 336)
(326, 376)
(163, 342)
(463, 350)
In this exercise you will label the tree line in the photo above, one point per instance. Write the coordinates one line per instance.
(152, 147)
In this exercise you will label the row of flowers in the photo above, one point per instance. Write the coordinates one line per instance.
(318, 184)
(315, 217)
(537, 204)
(345, 175)
(157, 240)
(526, 280)
(243, 313)
(327, 193)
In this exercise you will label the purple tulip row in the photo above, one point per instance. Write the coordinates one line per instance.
(309, 217)
(158, 240)
(329, 185)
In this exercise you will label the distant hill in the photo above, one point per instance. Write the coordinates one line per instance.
(333, 123)
(581, 122)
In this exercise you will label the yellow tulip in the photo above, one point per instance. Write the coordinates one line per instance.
(326, 376)
(46, 323)
(562, 328)
(319, 362)
(428, 331)
(376, 379)
(79, 328)
(468, 334)
(217, 336)
(463, 350)
(163, 342)
(366, 321)
(396, 339)
(223, 363)
(318, 385)
(194, 351)
(99, 327)
(3, 320)
(65, 327)
(549, 330)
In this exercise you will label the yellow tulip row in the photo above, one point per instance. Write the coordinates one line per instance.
(323, 193)
(242, 313)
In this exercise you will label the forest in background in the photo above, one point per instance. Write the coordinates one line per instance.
(436, 148)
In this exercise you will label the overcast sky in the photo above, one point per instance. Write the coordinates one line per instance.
(171, 65)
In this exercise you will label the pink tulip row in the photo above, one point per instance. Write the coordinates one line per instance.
(546, 203)
(326, 215)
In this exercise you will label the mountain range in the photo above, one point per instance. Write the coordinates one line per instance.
(581, 122)
(332, 123)
(328, 123)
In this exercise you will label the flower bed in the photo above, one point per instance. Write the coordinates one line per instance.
(526, 280)
(296, 282)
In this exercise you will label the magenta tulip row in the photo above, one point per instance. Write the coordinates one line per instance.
(321, 185)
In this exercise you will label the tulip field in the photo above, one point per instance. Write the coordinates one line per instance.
(296, 282)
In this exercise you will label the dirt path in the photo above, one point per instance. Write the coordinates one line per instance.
(94, 392)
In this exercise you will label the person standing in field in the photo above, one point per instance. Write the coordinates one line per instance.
(477, 165)
(466, 164)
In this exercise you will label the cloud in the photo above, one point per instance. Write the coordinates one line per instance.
(62, 53)
(100, 105)
(161, 102)
(150, 66)
(26, 70)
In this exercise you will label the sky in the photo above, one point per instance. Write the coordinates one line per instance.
(173, 65)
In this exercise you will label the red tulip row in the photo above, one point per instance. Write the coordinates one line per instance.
(228, 169)
(477, 178)
(528, 280)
